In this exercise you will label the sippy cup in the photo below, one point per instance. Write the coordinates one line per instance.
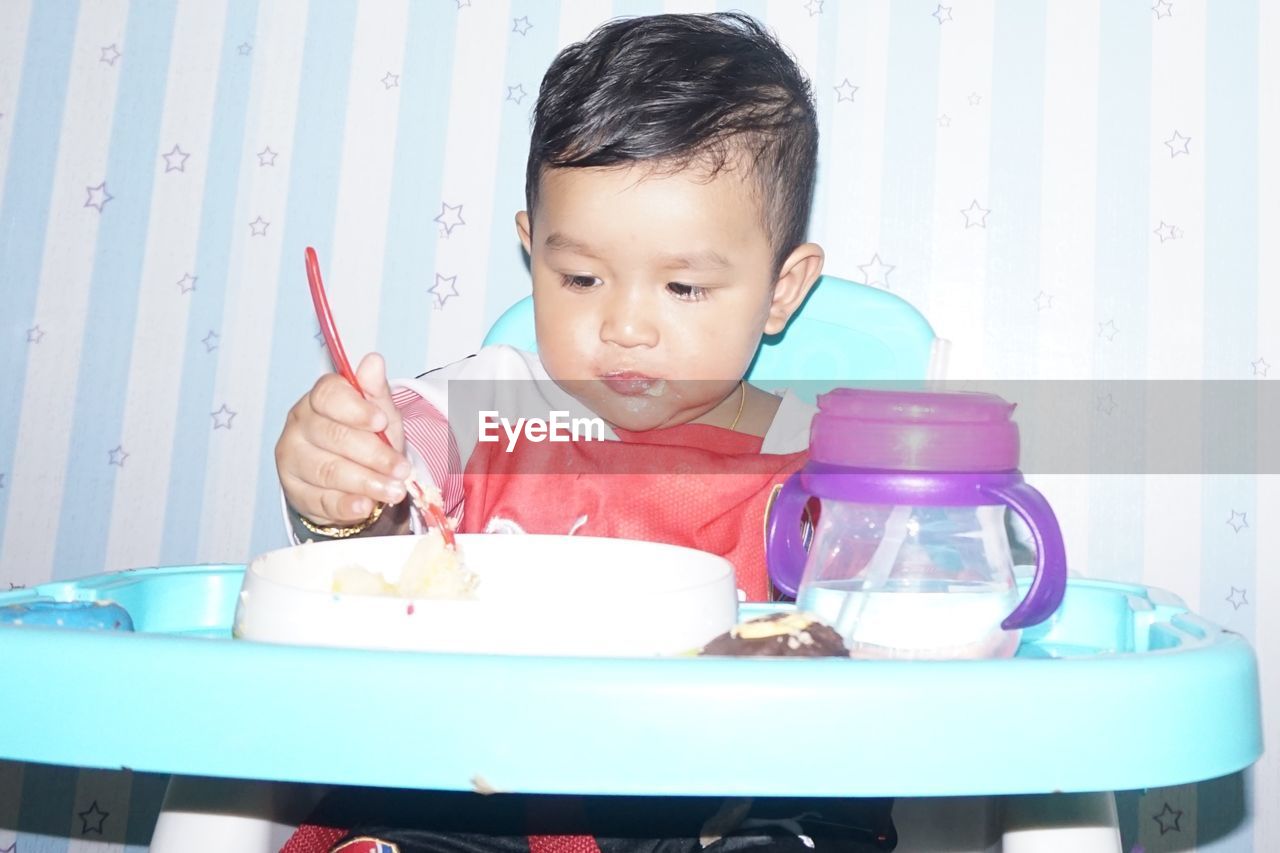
(909, 554)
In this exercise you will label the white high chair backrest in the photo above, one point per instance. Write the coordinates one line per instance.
(844, 333)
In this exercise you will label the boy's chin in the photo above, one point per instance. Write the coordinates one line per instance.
(632, 413)
(675, 403)
(642, 422)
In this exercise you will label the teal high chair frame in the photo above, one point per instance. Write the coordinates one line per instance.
(180, 696)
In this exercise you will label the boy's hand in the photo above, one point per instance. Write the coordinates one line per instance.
(332, 465)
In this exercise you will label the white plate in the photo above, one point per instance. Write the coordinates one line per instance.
(542, 595)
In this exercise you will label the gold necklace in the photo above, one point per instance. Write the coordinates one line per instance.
(742, 402)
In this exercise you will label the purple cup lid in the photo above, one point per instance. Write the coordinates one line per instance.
(914, 430)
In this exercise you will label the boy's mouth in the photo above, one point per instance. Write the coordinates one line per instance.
(630, 384)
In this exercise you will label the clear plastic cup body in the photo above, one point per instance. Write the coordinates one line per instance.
(912, 582)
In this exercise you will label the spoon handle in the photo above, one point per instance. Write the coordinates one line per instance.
(432, 514)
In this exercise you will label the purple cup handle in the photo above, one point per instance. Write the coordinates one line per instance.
(1050, 582)
(784, 552)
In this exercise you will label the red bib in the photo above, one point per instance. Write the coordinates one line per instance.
(695, 485)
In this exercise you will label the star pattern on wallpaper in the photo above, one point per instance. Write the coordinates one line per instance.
(1, 487)
(258, 227)
(187, 283)
(98, 196)
(1178, 144)
(439, 289)
(975, 215)
(1163, 9)
(210, 341)
(1106, 403)
(1260, 367)
(1165, 231)
(944, 120)
(1237, 598)
(92, 818)
(176, 160)
(1238, 520)
(975, 99)
(390, 81)
(516, 93)
(1108, 330)
(450, 217)
(1044, 301)
(223, 417)
(267, 157)
(244, 49)
(35, 334)
(463, 3)
(814, 7)
(521, 25)
(942, 13)
(876, 271)
(110, 54)
(845, 91)
(117, 455)
(319, 336)
(1168, 819)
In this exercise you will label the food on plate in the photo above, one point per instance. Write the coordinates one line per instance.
(788, 634)
(434, 570)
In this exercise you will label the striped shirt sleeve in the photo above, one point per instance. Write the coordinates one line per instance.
(428, 434)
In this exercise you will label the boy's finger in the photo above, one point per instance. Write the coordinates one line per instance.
(355, 444)
(334, 398)
(372, 374)
(326, 508)
(325, 470)
(344, 509)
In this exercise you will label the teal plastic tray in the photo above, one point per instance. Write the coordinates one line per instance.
(1106, 696)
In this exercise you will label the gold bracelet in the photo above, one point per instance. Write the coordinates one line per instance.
(342, 532)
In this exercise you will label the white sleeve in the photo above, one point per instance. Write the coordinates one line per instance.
(789, 432)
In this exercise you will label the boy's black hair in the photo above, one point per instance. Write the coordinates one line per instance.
(679, 90)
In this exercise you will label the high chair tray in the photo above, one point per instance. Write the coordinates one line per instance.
(1107, 696)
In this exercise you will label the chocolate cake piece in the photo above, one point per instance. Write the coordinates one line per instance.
(789, 634)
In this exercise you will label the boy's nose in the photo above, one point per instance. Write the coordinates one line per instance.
(627, 324)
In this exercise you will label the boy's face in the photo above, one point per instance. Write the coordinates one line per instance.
(652, 290)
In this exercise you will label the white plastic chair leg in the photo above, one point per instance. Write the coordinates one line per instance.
(1061, 823)
(202, 815)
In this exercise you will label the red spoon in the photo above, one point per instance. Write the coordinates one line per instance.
(431, 513)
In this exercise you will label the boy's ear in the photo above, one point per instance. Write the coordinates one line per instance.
(524, 228)
(799, 271)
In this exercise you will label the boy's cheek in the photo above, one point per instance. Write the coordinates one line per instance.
(568, 344)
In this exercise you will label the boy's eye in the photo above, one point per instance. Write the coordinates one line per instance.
(687, 292)
(579, 282)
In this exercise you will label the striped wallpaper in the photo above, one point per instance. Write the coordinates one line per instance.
(1069, 189)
